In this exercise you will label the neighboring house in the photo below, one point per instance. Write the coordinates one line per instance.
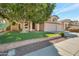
(67, 23)
(75, 23)
(51, 25)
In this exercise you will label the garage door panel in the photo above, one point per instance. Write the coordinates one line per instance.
(50, 27)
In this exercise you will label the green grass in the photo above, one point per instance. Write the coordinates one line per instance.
(16, 36)
(52, 35)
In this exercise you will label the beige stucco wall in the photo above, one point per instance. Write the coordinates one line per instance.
(41, 27)
(66, 24)
(15, 27)
(37, 27)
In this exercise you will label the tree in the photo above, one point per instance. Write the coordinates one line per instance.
(39, 12)
(36, 13)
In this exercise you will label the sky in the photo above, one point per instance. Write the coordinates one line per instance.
(67, 11)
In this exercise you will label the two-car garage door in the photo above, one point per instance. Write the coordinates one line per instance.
(50, 27)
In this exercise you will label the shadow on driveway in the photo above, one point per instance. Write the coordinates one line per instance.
(47, 51)
(70, 35)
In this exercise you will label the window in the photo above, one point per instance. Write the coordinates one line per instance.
(13, 23)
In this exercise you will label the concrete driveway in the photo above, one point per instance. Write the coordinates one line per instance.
(47, 51)
(71, 34)
(69, 47)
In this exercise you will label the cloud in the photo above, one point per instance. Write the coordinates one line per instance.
(76, 18)
(75, 6)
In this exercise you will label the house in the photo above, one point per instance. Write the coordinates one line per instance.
(26, 26)
(51, 25)
(75, 23)
(66, 23)
(20, 26)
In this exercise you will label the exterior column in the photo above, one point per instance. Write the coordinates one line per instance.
(30, 27)
(37, 27)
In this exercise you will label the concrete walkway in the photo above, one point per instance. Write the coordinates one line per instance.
(69, 47)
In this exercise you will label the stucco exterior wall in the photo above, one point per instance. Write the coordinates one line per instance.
(15, 27)
(41, 27)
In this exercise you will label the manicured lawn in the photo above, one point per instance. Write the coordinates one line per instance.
(52, 35)
(16, 36)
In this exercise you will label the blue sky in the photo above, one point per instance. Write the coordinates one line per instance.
(67, 11)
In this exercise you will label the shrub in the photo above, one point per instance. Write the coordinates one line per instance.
(62, 34)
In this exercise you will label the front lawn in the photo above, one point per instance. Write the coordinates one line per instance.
(16, 36)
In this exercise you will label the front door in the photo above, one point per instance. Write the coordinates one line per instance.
(33, 26)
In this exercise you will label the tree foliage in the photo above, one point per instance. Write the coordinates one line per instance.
(37, 13)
